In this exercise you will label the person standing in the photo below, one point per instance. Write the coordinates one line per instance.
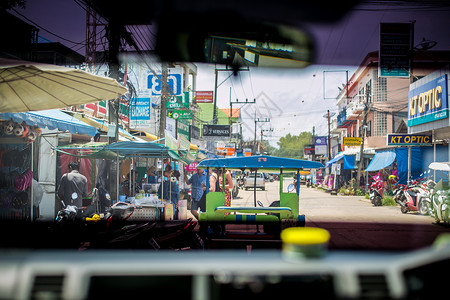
(228, 186)
(73, 186)
(198, 191)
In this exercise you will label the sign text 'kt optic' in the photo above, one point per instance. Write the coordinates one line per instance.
(428, 102)
(409, 140)
(174, 81)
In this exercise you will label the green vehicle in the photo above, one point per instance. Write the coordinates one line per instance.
(282, 213)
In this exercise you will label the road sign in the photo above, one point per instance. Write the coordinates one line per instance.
(176, 102)
(179, 114)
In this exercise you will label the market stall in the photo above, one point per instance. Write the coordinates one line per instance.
(138, 158)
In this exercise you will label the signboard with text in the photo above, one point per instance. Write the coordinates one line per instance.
(395, 45)
(320, 145)
(352, 141)
(428, 102)
(409, 140)
(140, 112)
(204, 96)
(177, 102)
(174, 81)
(216, 130)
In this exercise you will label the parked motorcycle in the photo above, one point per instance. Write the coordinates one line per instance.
(415, 197)
(376, 192)
(398, 193)
(439, 202)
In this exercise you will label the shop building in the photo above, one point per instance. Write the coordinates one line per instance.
(428, 108)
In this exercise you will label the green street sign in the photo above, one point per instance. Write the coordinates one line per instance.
(179, 114)
(177, 102)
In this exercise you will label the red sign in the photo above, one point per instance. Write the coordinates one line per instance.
(204, 96)
(192, 167)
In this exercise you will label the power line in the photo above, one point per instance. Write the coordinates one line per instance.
(46, 30)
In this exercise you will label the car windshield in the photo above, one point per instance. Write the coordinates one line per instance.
(361, 88)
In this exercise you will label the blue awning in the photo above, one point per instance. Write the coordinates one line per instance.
(338, 157)
(52, 119)
(349, 162)
(381, 160)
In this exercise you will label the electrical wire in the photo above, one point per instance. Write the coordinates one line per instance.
(46, 30)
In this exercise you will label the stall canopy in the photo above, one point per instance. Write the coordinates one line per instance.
(381, 160)
(146, 149)
(260, 162)
(52, 119)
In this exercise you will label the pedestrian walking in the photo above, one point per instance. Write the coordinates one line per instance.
(73, 186)
(198, 191)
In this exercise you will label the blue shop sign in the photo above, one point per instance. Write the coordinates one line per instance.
(429, 102)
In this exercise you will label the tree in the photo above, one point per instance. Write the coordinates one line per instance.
(292, 146)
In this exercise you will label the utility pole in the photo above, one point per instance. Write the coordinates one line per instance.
(215, 97)
(216, 73)
(362, 134)
(164, 95)
(328, 115)
(329, 135)
(231, 109)
(91, 38)
(113, 105)
(265, 120)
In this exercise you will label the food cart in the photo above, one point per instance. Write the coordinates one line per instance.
(147, 204)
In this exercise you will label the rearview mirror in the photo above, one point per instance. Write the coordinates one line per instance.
(234, 42)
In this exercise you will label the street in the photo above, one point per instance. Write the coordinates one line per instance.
(353, 222)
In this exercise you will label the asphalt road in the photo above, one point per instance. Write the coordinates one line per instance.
(353, 222)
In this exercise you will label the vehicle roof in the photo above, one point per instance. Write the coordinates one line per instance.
(264, 162)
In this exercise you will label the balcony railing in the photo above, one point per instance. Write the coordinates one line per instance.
(355, 108)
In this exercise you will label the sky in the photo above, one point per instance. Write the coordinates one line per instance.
(295, 100)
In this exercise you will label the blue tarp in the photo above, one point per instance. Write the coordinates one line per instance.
(349, 162)
(260, 162)
(52, 119)
(381, 160)
(421, 157)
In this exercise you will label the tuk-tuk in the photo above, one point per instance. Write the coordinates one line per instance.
(280, 214)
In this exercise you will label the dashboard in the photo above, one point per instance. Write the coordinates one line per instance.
(221, 274)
